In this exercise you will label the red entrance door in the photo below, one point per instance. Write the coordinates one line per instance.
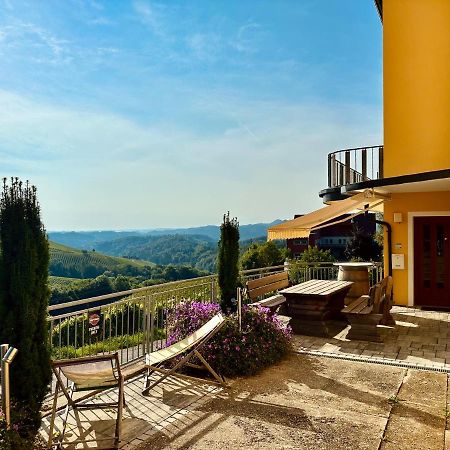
(432, 261)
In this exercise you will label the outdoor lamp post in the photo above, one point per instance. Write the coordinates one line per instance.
(7, 354)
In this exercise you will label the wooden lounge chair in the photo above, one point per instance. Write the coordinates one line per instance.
(93, 373)
(190, 347)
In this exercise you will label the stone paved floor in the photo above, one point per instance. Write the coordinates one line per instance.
(420, 337)
(173, 415)
(302, 403)
(170, 407)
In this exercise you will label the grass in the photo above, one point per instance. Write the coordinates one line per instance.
(394, 400)
(104, 346)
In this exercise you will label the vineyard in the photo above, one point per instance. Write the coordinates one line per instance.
(62, 283)
(69, 262)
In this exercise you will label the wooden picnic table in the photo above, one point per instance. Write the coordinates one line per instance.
(314, 303)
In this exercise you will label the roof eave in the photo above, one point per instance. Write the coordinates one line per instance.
(379, 5)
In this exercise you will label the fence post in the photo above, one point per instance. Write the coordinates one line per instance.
(213, 289)
(149, 324)
(364, 164)
(152, 322)
(347, 167)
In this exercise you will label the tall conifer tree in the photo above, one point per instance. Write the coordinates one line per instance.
(228, 260)
(24, 294)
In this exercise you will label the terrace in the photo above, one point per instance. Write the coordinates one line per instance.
(330, 392)
(277, 408)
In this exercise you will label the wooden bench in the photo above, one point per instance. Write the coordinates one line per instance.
(262, 286)
(368, 311)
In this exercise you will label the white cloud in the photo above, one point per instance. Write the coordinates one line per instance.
(204, 46)
(150, 15)
(102, 170)
(43, 45)
(247, 38)
(100, 21)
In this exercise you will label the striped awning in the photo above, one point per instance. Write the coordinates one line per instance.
(302, 226)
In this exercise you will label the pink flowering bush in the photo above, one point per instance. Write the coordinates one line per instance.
(264, 339)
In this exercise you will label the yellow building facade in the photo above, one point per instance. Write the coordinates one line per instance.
(410, 173)
(416, 80)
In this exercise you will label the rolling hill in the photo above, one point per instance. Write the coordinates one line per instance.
(69, 262)
(196, 251)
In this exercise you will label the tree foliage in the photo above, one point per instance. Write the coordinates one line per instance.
(314, 255)
(228, 261)
(24, 293)
(262, 255)
(68, 289)
(194, 250)
(363, 246)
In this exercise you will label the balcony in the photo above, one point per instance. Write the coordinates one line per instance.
(350, 166)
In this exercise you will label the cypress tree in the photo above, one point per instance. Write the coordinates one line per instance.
(228, 261)
(24, 295)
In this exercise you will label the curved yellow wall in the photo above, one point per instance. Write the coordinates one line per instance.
(405, 203)
(416, 86)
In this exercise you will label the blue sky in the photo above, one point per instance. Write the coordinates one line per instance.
(144, 114)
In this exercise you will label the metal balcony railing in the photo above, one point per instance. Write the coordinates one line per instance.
(354, 165)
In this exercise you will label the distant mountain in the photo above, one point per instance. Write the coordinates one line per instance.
(89, 240)
(248, 231)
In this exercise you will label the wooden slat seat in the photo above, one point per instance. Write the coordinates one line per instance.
(265, 285)
(369, 311)
(271, 302)
(359, 306)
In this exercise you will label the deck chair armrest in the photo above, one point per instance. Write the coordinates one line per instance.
(55, 364)
(85, 359)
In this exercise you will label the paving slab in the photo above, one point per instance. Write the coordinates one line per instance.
(418, 417)
(419, 337)
(301, 403)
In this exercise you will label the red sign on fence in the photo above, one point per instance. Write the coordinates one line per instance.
(94, 322)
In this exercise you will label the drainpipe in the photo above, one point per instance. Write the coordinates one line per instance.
(389, 236)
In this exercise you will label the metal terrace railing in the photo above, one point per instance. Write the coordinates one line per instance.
(301, 272)
(354, 165)
(134, 322)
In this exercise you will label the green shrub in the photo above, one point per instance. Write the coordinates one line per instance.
(117, 321)
(263, 340)
(21, 436)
